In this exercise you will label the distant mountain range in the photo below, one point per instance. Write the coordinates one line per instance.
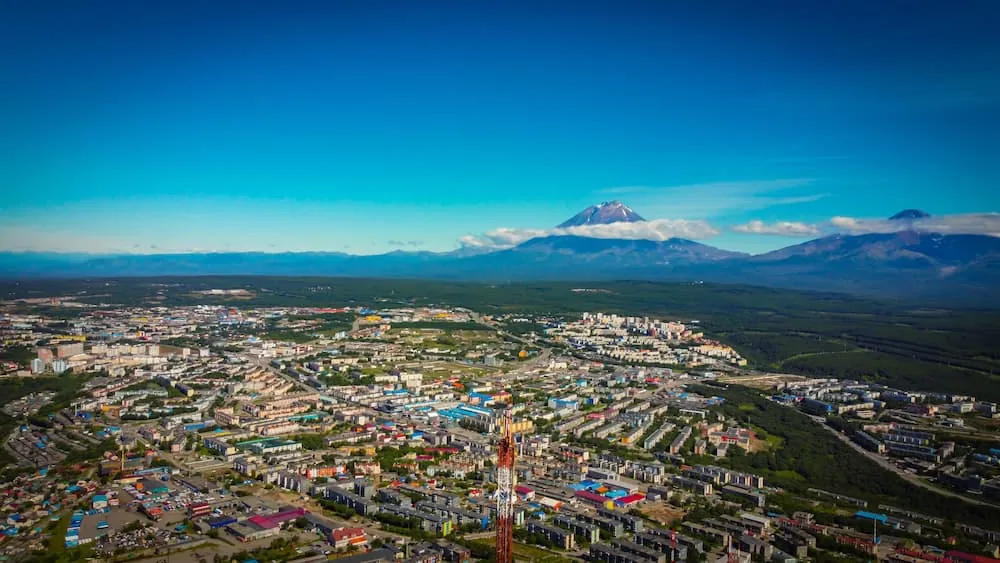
(907, 263)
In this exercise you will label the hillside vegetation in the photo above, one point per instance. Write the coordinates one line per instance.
(812, 457)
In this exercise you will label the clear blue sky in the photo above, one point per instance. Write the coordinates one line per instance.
(364, 126)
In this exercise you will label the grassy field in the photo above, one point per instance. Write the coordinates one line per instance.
(532, 554)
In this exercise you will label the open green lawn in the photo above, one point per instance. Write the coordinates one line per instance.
(774, 442)
(536, 555)
(532, 554)
(787, 474)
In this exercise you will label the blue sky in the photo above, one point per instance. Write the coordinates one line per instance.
(365, 126)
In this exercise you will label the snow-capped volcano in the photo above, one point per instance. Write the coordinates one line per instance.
(910, 215)
(603, 214)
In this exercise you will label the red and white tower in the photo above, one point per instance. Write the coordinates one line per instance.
(506, 482)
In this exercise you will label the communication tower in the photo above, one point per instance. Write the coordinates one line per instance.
(506, 481)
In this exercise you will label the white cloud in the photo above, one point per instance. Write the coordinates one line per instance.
(500, 238)
(713, 199)
(779, 228)
(659, 229)
(968, 224)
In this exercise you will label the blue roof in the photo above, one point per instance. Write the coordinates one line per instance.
(871, 516)
(453, 414)
(474, 409)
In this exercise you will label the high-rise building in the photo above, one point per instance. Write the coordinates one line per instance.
(37, 365)
(68, 350)
(45, 354)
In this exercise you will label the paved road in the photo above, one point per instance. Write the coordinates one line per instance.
(885, 463)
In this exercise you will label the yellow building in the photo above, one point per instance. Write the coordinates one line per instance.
(71, 338)
(522, 426)
(365, 450)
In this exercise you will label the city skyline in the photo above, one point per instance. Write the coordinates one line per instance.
(367, 128)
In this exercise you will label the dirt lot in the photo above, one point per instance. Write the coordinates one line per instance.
(662, 512)
(757, 445)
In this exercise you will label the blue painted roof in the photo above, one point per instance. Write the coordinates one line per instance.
(871, 516)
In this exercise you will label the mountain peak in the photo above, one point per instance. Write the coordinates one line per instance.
(605, 213)
(909, 214)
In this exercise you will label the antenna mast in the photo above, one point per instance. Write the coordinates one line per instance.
(506, 481)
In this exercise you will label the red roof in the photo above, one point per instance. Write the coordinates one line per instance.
(524, 490)
(276, 520)
(970, 557)
(630, 499)
(594, 497)
(344, 533)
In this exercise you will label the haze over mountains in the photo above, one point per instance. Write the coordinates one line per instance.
(906, 263)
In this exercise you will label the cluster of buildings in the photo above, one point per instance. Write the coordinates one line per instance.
(643, 340)
(396, 420)
(917, 430)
